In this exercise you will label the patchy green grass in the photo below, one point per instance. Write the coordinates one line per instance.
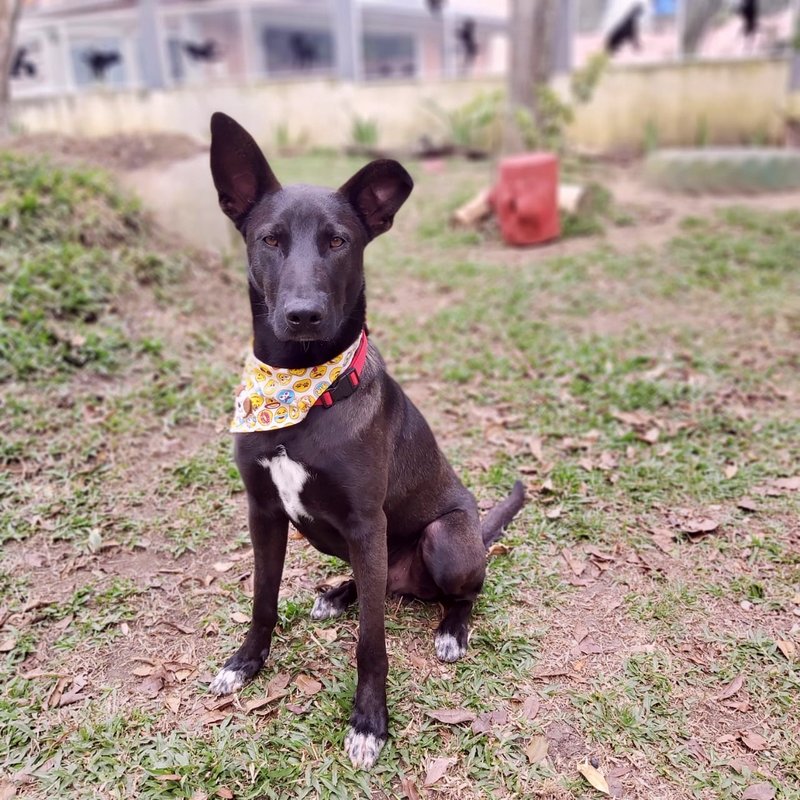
(641, 395)
(70, 244)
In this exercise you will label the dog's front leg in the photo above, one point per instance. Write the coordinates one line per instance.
(269, 529)
(369, 722)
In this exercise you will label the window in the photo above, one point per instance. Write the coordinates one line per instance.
(294, 49)
(98, 62)
(389, 55)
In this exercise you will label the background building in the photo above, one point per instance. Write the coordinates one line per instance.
(71, 45)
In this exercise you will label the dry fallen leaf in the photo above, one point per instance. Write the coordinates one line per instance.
(213, 718)
(482, 723)
(452, 716)
(575, 564)
(54, 698)
(608, 461)
(537, 749)
(790, 484)
(759, 791)
(260, 702)
(589, 647)
(409, 788)
(498, 549)
(307, 685)
(731, 689)
(240, 617)
(730, 471)
(222, 566)
(695, 525)
(696, 749)
(7, 644)
(327, 634)
(741, 706)
(664, 540)
(437, 769)
(651, 435)
(171, 776)
(787, 647)
(150, 687)
(553, 513)
(753, 740)
(636, 419)
(278, 682)
(7, 790)
(225, 793)
(143, 670)
(530, 708)
(173, 703)
(74, 695)
(594, 776)
(747, 504)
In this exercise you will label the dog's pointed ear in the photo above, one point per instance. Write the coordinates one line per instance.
(376, 192)
(240, 171)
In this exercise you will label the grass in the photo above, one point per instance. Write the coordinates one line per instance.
(633, 391)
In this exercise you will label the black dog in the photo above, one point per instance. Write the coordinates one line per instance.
(363, 478)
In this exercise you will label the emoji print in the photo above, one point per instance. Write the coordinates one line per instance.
(270, 398)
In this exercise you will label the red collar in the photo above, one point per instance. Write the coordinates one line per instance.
(349, 380)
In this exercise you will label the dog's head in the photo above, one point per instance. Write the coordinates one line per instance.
(305, 244)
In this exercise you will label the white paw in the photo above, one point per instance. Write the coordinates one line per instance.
(448, 648)
(227, 681)
(362, 748)
(324, 609)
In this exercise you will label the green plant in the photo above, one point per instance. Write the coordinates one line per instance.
(287, 143)
(546, 127)
(651, 136)
(474, 125)
(364, 132)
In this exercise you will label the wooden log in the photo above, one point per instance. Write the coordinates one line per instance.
(474, 210)
(571, 197)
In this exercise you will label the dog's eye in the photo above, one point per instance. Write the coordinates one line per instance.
(336, 242)
(271, 241)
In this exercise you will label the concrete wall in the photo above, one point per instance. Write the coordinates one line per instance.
(692, 103)
(688, 103)
(320, 112)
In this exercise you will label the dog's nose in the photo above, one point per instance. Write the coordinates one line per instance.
(302, 315)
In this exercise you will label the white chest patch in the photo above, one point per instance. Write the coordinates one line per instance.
(289, 478)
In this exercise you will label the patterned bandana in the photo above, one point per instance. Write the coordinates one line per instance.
(270, 398)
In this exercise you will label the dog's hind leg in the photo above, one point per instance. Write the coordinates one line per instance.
(268, 533)
(455, 557)
(334, 602)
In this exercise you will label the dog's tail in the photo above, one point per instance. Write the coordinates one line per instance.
(493, 524)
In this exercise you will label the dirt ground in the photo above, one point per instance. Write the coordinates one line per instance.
(121, 152)
(643, 615)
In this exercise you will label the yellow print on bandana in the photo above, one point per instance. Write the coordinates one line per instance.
(270, 398)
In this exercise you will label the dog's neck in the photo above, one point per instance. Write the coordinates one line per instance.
(299, 355)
